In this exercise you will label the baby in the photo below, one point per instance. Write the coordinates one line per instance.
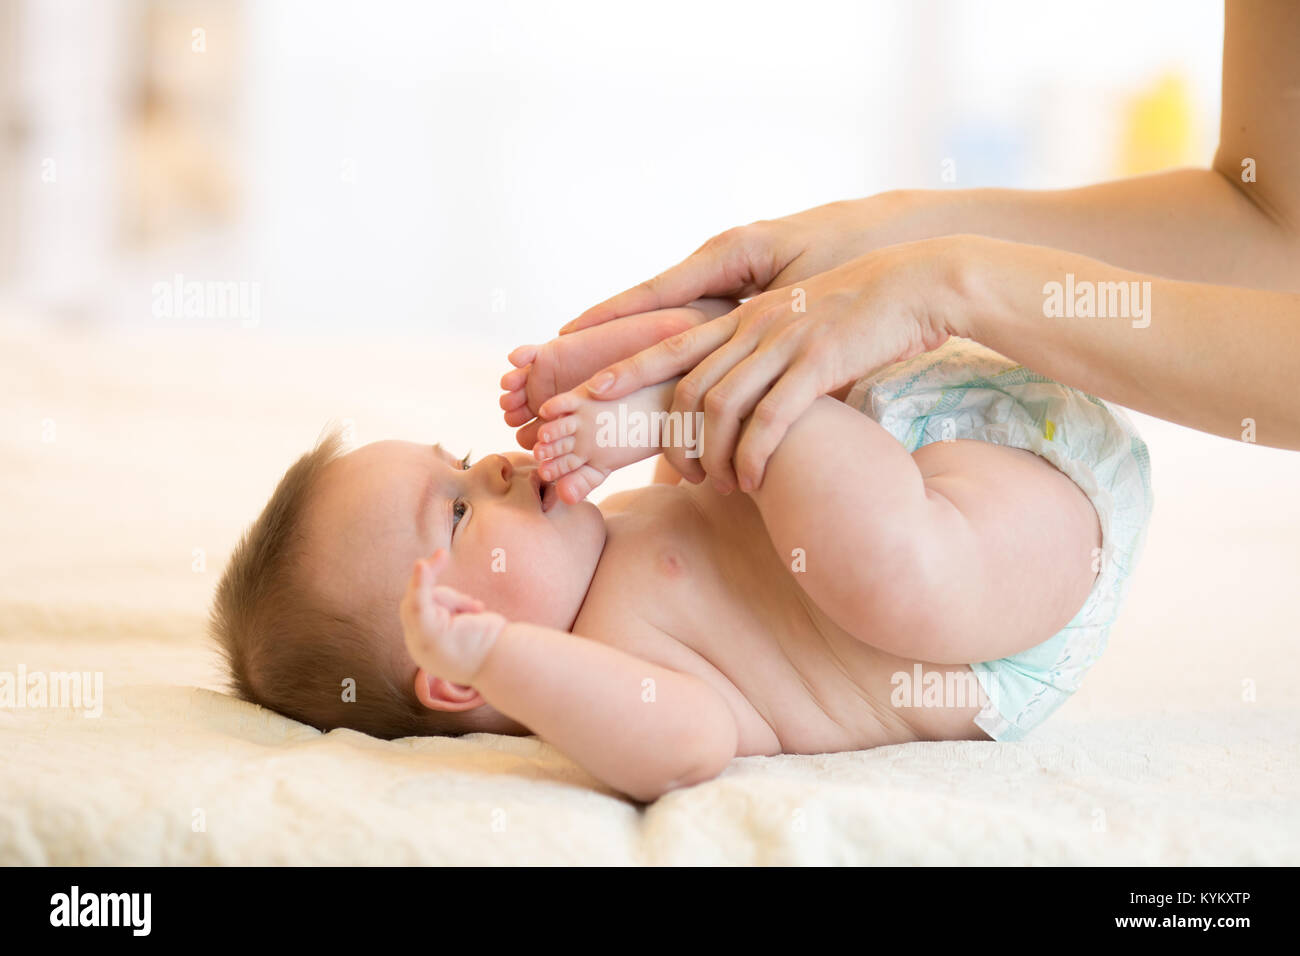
(936, 553)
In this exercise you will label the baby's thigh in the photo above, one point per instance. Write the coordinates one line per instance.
(962, 551)
(845, 502)
(1023, 546)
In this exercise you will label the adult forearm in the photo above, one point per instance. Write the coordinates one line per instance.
(1217, 358)
(1191, 224)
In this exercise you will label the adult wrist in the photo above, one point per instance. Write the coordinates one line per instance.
(966, 304)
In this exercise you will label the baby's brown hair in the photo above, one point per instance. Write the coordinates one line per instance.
(285, 644)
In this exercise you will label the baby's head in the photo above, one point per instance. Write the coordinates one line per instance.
(306, 613)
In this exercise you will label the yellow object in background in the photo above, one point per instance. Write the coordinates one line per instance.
(1157, 128)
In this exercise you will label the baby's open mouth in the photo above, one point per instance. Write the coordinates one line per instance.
(546, 494)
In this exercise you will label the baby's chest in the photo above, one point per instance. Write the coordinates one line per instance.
(679, 601)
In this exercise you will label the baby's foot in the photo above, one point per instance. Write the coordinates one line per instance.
(578, 447)
(544, 371)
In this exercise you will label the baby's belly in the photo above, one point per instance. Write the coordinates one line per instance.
(736, 605)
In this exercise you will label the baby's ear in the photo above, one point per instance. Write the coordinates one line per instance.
(438, 694)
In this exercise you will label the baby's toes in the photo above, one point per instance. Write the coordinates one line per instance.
(553, 431)
(523, 355)
(511, 400)
(515, 379)
(566, 403)
(518, 416)
(576, 485)
(546, 451)
(556, 468)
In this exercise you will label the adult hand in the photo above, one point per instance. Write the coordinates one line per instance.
(765, 255)
(769, 359)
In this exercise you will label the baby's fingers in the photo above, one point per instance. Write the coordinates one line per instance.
(456, 602)
(425, 572)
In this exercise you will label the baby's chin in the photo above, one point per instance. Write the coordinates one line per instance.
(582, 529)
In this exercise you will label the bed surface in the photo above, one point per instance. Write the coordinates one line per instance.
(129, 465)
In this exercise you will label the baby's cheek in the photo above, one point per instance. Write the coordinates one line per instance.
(503, 575)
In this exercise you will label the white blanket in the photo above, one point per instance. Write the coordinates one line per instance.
(128, 467)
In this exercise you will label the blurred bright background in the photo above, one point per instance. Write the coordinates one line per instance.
(489, 170)
(410, 189)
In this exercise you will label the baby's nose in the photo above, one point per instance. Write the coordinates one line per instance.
(501, 464)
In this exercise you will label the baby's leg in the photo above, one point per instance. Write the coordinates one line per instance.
(964, 551)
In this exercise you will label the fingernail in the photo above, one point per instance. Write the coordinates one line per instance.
(602, 382)
(746, 485)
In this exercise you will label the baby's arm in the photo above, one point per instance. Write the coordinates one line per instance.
(641, 728)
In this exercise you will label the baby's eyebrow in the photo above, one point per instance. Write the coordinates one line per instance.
(429, 492)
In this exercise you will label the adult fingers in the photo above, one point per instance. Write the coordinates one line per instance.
(791, 396)
(688, 467)
(750, 322)
(728, 404)
(527, 436)
(724, 266)
(689, 398)
(668, 359)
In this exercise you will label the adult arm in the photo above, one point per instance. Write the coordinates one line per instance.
(1235, 223)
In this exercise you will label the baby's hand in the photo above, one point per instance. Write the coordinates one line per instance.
(449, 634)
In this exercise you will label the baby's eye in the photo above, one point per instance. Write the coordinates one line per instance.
(458, 509)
